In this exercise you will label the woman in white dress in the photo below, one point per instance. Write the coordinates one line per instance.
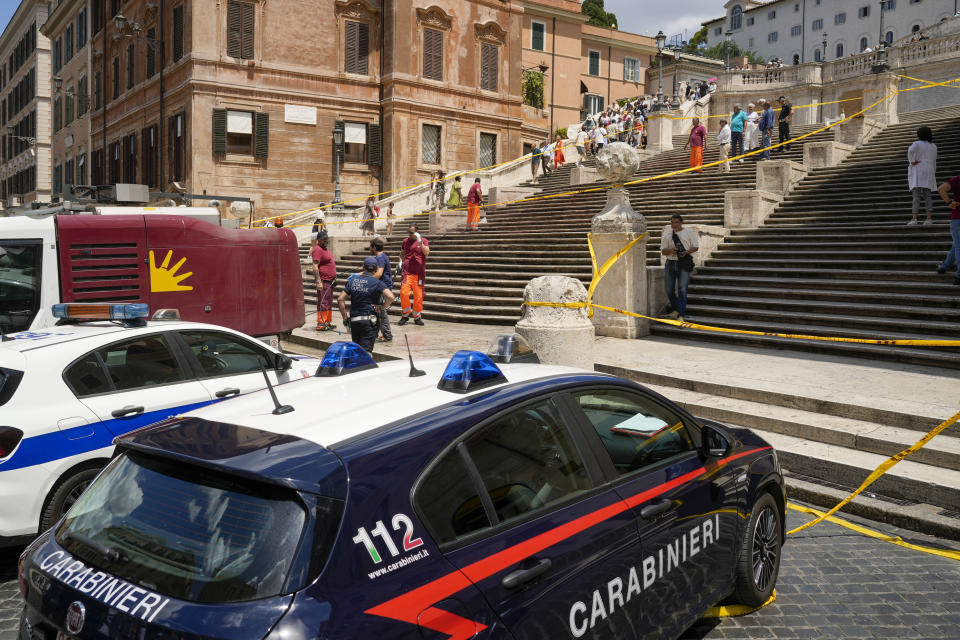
(751, 133)
(922, 173)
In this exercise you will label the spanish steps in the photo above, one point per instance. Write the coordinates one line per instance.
(479, 277)
(836, 259)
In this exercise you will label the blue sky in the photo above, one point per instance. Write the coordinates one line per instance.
(7, 7)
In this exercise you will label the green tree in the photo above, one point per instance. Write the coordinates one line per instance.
(599, 17)
(718, 52)
(532, 88)
(697, 42)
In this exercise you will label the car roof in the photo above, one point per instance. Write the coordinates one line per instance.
(328, 411)
(92, 331)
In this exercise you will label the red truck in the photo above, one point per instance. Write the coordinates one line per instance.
(245, 279)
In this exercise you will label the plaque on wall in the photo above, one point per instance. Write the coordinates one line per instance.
(299, 114)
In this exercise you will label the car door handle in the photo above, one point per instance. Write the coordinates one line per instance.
(128, 410)
(518, 578)
(229, 391)
(655, 509)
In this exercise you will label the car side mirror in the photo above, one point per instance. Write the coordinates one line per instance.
(282, 363)
(713, 443)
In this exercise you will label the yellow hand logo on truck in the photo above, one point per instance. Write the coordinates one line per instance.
(164, 278)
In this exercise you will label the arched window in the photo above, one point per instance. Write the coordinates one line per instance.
(863, 43)
(736, 17)
(817, 56)
(796, 58)
(915, 28)
(889, 38)
(839, 50)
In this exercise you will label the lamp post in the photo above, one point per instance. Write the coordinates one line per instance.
(880, 65)
(726, 51)
(676, 78)
(337, 151)
(661, 41)
(823, 58)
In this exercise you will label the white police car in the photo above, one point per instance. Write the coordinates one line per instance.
(67, 392)
(464, 500)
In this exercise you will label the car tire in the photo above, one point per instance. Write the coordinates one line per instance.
(760, 551)
(64, 495)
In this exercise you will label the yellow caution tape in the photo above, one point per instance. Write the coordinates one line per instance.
(882, 469)
(930, 83)
(734, 610)
(897, 540)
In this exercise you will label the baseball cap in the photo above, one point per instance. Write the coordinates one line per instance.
(782, 98)
(370, 264)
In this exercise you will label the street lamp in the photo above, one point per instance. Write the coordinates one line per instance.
(726, 51)
(337, 150)
(676, 77)
(880, 65)
(661, 41)
(823, 58)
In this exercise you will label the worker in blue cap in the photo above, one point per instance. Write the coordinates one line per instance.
(364, 291)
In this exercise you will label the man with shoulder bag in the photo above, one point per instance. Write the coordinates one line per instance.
(678, 244)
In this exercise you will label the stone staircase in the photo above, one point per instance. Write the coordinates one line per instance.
(479, 277)
(836, 259)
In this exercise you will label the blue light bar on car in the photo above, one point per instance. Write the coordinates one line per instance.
(344, 357)
(87, 311)
(469, 371)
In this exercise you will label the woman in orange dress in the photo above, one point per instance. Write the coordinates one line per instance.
(474, 200)
(558, 158)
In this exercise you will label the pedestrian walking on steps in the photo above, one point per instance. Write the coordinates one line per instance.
(677, 244)
(784, 118)
(766, 129)
(922, 174)
(751, 135)
(581, 143)
(474, 206)
(546, 158)
(737, 123)
(325, 272)
(390, 217)
(723, 141)
(558, 158)
(414, 252)
(535, 155)
(365, 293)
(950, 192)
(385, 276)
(697, 142)
(369, 216)
(441, 188)
(456, 194)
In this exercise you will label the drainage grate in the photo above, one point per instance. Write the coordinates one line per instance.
(950, 514)
(848, 489)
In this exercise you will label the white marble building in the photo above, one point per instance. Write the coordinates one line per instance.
(794, 30)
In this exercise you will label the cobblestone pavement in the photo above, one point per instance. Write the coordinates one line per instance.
(834, 583)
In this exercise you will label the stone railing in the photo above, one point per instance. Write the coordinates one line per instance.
(849, 67)
(913, 53)
(769, 78)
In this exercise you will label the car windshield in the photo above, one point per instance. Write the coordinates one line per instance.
(19, 284)
(193, 536)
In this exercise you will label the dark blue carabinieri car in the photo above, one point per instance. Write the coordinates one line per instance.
(488, 498)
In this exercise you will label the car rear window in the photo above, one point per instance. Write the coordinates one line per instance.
(191, 535)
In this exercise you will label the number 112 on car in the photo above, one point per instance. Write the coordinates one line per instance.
(399, 521)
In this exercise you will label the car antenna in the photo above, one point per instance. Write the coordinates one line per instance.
(414, 372)
(278, 408)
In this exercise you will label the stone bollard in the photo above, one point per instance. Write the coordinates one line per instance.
(625, 285)
(659, 133)
(558, 335)
(779, 176)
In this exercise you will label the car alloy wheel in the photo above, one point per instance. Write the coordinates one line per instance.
(766, 547)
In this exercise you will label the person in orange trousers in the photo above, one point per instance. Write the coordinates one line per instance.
(697, 143)
(325, 271)
(414, 252)
(558, 158)
(474, 202)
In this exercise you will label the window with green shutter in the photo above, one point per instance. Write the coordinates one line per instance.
(433, 54)
(151, 53)
(177, 33)
(594, 63)
(538, 31)
(240, 29)
(261, 134)
(375, 152)
(219, 132)
(356, 47)
(489, 59)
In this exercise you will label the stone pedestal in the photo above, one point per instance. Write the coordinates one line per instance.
(817, 155)
(558, 335)
(779, 176)
(659, 134)
(748, 208)
(583, 175)
(497, 196)
(657, 299)
(875, 87)
(447, 221)
(624, 286)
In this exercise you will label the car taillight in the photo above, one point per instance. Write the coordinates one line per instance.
(22, 579)
(9, 439)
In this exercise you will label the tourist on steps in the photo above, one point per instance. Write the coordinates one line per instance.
(474, 204)
(677, 244)
(766, 129)
(950, 192)
(697, 142)
(750, 136)
(723, 141)
(456, 195)
(737, 123)
(922, 173)
(414, 252)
